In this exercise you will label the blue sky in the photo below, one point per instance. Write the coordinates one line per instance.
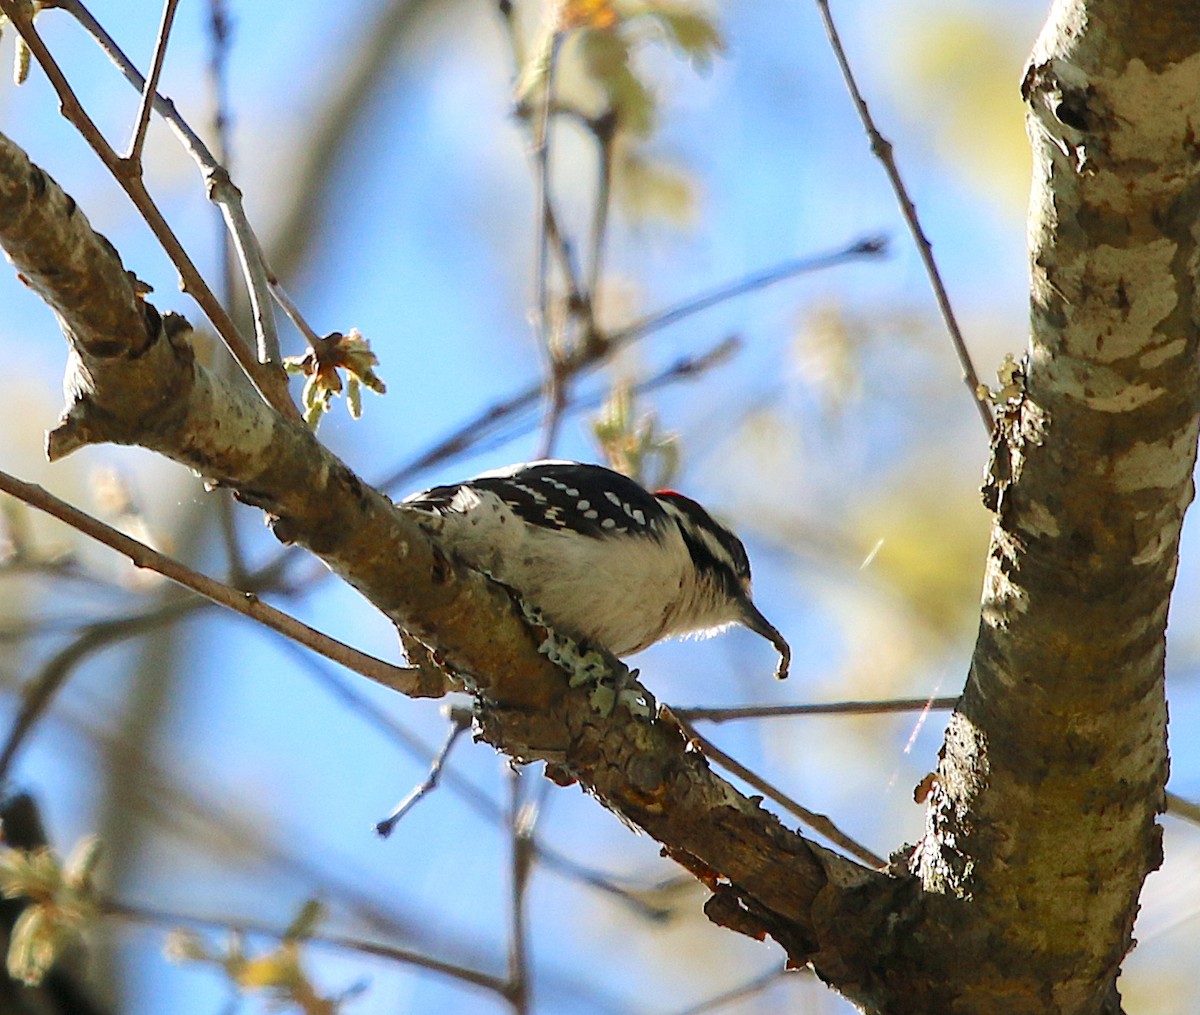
(426, 246)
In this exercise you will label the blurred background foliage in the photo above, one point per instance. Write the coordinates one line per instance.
(384, 150)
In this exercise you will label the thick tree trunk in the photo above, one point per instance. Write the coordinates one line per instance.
(1055, 763)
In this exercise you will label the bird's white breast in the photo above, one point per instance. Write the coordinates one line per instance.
(625, 591)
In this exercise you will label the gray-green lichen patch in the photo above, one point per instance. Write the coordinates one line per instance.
(610, 680)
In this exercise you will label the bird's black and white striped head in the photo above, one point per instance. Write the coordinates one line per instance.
(714, 549)
(719, 555)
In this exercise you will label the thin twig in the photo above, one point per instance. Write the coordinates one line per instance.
(541, 161)
(460, 721)
(1181, 807)
(871, 246)
(138, 141)
(743, 992)
(718, 715)
(27, 630)
(475, 798)
(550, 332)
(238, 574)
(40, 690)
(582, 304)
(218, 62)
(603, 130)
(557, 399)
(268, 376)
(578, 304)
(254, 267)
(163, 106)
(184, 799)
(818, 822)
(508, 15)
(881, 148)
(293, 312)
(219, 34)
(218, 183)
(166, 918)
(577, 298)
(245, 603)
(522, 817)
(488, 436)
(687, 367)
(158, 793)
(64, 568)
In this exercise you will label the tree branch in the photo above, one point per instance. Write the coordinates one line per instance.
(133, 379)
(408, 681)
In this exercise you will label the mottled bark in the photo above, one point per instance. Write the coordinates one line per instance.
(1055, 762)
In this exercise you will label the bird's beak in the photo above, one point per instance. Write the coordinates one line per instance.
(759, 624)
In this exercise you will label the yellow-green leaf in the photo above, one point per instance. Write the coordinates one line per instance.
(305, 922)
(648, 188)
(606, 56)
(692, 31)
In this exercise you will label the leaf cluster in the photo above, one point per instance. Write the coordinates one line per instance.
(62, 903)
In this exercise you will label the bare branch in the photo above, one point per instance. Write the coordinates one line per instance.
(522, 817)
(166, 918)
(603, 131)
(872, 246)
(818, 822)
(719, 715)
(460, 722)
(138, 141)
(550, 332)
(591, 355)
(631, 895)
(39, 691)
(219, 42)
(541, 160)
(741, 993)
(265, 372)
(1182, 807)
(293, 312)
(882, 149)
(245, 603)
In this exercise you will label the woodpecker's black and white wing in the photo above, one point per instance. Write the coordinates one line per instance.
(587, 499)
